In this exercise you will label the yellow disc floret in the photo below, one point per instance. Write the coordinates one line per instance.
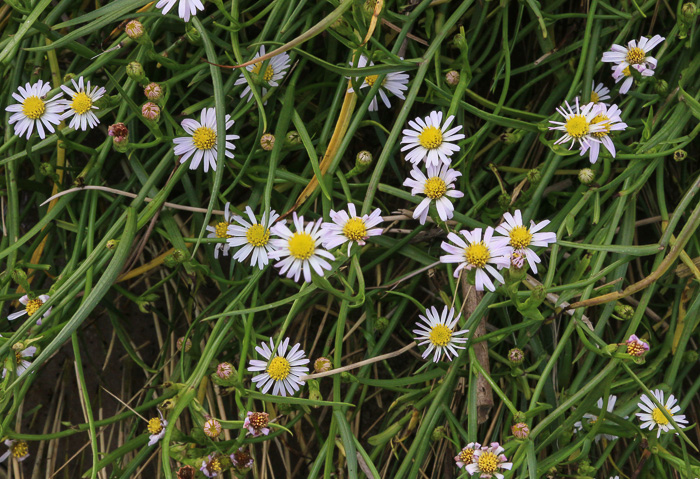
(221, 230)
(659, 417)
(435, 188)
(269, 71)
(626, 71)
(477, 254)
(155, 426)
(279, 368)
(215, 465)
(635, 56)
(577, 126)
(488, 462)
(520, 237)
(355, 229)
(430, 137)
(33, 107)
(204, 138)
(33, 305)
(440, 335)
(606, 124)
(371, 79)
(81, 103)
(19, 449)
(302, 246)
(257, 235)
(594, 97)
(466, 455)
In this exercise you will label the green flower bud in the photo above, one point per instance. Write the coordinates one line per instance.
(586, 176)
(512, 137)
(182, 342)
(46, 169)
(111, 244)
(516, 356)
(347, 378)
(135, 71)
(660, 86)
(624, 311)
(437, 434)
(504, 201)
(534, 176)
(381, 324)
(293, 138)
(688, 12)
(690, 356)
(175, 258)
(193, 35)
(363, 159)
(680, 155)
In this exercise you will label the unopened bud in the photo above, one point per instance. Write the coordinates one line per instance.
(186, 472)
(460, 41)
(586, 176)
(175, 258)
(267, 141)
(690, 356)
(452, 77)
(689, 11)
(504, 200)
(321, 365)
(153, 91)
(364, 158)
(437, 434)
(135, 71)
(193, 35)
(534, 176)
(212, 428)
(293, 138)
(187, 344)
(680, 155)
(150, 111)
(660, 86)
(512, 137)
(520, 430)
(624, 311)
(46, 169)
(516, 356)
(19, 276)
(224, 370)
(134, 29)
(111, 244)
(381, 324)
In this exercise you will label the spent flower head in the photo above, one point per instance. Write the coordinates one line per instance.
(256, 423)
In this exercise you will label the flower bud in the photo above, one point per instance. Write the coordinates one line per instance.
(680, 155)
(516, 356)
(690, 356)
(534, 176)
(660, 86)
(363, 158)
(381, 324)
(520, 430)
(187, 344)
(242, 459)
(111, 244)
(150, 111)
(46, 169)
(68, 77)
(175, 258)
(460, 41)
(224, 370)
(347, 378)
(452, 78)
(19, 276)
(212, 428)
(267, 141)
(134, 29)
(437, 434)
(321, 365)
(153, 91)
(689, 11)
(624, 311)
(586, 176)
(504, 200)
(293, 138)
(135, 71)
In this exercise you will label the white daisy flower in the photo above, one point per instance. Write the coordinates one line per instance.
(80, 104)
(599, 93)
(301, 250)
(32, 306)
(276, 69)
(394, 82)
(592, 418)
(438, 186)
(487, 462)
(466, 455)
(438, 333)
(520, 238)
(347, 226)
(635, 53)
(283, 370)
(477, 253)
(578, 126)
(652, 415)
(34, 110)
(156, 428)
(254, 237)
(629, 79)
(202, 143)
(430, 139)
(186, 8)
(17, 448)
(220, 230)
(609, 116)
(21, 364)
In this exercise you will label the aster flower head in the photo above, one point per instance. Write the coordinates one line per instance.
(520, 239)
(33, 110)
(437, 331)
(429, 139)
(651, 414)
(592, 418)
(220, 230)
(17, 448)
(301, 251)
(609, 116)
(578, 126)
(637, 346)
(282, 369)
(274, 72)
(156, 428)
(212, 428)
(185, 10)
(350, 228)
(437, 186)
(21, 363)
(242, 458)
(489, 461)
(252, 238)
(635, 53)
(211, 466)
(80, 103)
(32, 306)
(466, 455)
(256, 423)
(201, 144)
(474, 251)
(599, 93)
(394, 82)
(628, 79)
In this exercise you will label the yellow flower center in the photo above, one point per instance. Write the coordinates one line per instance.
(488, 462)
(577, 126)
(257, 235)
(33, 306)
(659, 417)
(259, 420)
(221, 230)
(33, 107)
(204, 138)
(371, 79)
(601, 119)
(435, 187)
(635, 56)
(520, 237)
(279, 368)
(477, 254)
(440, 335)
(81, 103)
(355, 229)
(594, 97)
(269, 72)
(155, 426)
(302, 246)
(430, 137)
(626, 71)
(466, 455)
(635, 349)
(215, 465)
(19, 449)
